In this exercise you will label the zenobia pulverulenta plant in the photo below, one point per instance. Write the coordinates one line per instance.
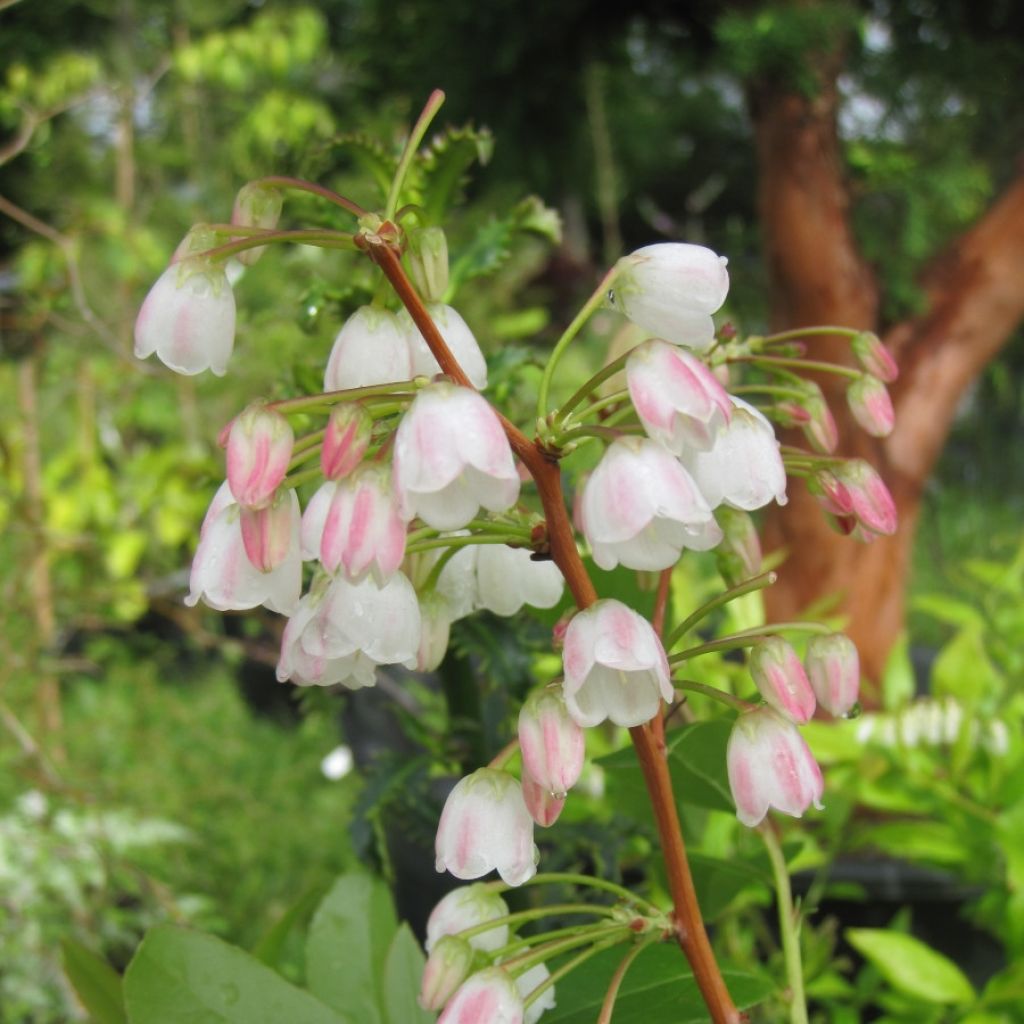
(433, 504)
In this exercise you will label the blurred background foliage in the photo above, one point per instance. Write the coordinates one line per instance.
(151, 769)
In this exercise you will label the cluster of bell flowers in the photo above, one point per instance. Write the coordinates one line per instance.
(705, 456)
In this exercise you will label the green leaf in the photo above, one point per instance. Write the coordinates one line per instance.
(934, 842)
(964, 670)
(911, 967)
(659, 988)
(403, 971)
(718, 882)
(268, 949)
(178, 976)
(898, 683)
(947, 609)
(444, 165)
(348, 944)
(95, 982)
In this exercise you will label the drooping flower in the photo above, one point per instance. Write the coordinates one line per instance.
(551, 742)
(485, 826)
(223, 575)
(543, 805)
(451, 458)
(460, 340)
(833, 668)
(259, 448)
(467, 907)
(488, 997)
(678, 399)
(371, 348)
(507, 578)
(671, 289)
(743, 469)
(526, 983)
(342, 631)
(640, 507)
(770, 765)
(781, 680)
(188, 319)
(615, 666)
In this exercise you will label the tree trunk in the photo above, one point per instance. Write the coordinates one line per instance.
(973, 304)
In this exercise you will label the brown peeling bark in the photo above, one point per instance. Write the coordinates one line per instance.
(974, 303)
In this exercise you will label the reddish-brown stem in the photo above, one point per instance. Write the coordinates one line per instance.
(692, 936)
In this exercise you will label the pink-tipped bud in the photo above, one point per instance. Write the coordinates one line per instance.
(770, 765)
(833, 496)
(448, 966)
(875, 357)
(256, 206)
(267, 532)
(346, 439)
(258, 452)
(781, 680)
(543, 805)
(820, 429)
(833, 668)
(872, 504)
(739, 554)
(871, 405)
(551, 742)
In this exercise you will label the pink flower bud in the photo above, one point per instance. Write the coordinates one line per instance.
(678, 399)
(362, 530)
(781, 680)
(267, 531)
(875, 357)
(256, 206)
(258, 452)
(871, 405)
(743, 469)
(467, 907)
(188, 319)
(371, 348)
(873, 507)
(770, 765)
(459, 338)
(671, 289)
(833, 668)
(451, 458)
(223, 575)
(615, 666)
(346, 438)
(640, 508)
(551, 742)
(741, 546)
(543, 805)
(488, 997)
(447, 967)
(833, 496)
(485, 826)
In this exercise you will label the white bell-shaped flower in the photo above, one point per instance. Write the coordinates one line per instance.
(451, 458)
(188, 319)
(485, 826)
(371, 348)
(640, 508)
(615, 666)
(460, 340)
(744, 468)
(342, 631)
(671, 289)
(222, 574)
